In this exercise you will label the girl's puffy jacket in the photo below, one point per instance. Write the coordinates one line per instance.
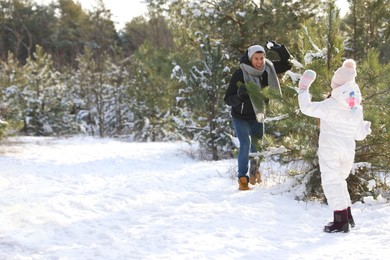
(341, 117)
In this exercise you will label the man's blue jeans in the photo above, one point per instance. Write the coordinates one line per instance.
(246, 130)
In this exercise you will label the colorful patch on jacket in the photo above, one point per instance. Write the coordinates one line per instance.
(353, 100)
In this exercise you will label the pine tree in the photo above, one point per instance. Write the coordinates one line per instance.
(203, 116)
(368, 27)
(35, 95)
(96, 92)
(11, 75)
(5, 126)
(373, 153)
(299, 133)
(239, 24)
(152, 92)
(286, 126)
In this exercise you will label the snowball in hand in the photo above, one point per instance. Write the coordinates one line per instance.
(270, 45)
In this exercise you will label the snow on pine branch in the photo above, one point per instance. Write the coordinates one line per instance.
(276, 118)
(359, 166)
(269, 153)
(264, 154)
(318, 53)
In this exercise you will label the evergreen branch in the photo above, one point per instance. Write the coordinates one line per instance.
(386, 91)
(376, 77)
(257, 97)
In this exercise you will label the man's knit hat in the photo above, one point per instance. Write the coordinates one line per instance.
(345, 73)
(253, 49)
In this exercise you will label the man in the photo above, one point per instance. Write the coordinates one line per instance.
(255, 68)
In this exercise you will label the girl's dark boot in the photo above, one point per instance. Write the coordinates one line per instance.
(350, 218)
(340, 222)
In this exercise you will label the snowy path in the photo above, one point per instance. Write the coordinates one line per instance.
(84, 198)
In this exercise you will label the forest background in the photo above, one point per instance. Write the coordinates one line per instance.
(68, 71)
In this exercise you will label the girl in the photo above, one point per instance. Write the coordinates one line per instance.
(341, 123)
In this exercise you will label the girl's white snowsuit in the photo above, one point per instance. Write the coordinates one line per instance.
(340, 126)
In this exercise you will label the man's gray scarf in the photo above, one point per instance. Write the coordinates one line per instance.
(253, 75)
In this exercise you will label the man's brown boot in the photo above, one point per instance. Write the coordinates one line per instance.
(258, 177)
(254, 173)
(252, 179)
(255, 178)
(243, 183)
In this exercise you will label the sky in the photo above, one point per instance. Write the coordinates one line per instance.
(124, 10)
(343, 5)
(104, 199)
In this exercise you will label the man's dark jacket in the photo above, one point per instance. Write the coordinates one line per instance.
(243, 109)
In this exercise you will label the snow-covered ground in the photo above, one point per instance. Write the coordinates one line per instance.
(85, 198)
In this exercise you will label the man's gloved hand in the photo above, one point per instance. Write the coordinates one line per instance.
(272, 45)
(242, 93)
(280, 49)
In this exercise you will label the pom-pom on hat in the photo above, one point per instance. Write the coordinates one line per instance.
(345, 73)
(253, 49)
